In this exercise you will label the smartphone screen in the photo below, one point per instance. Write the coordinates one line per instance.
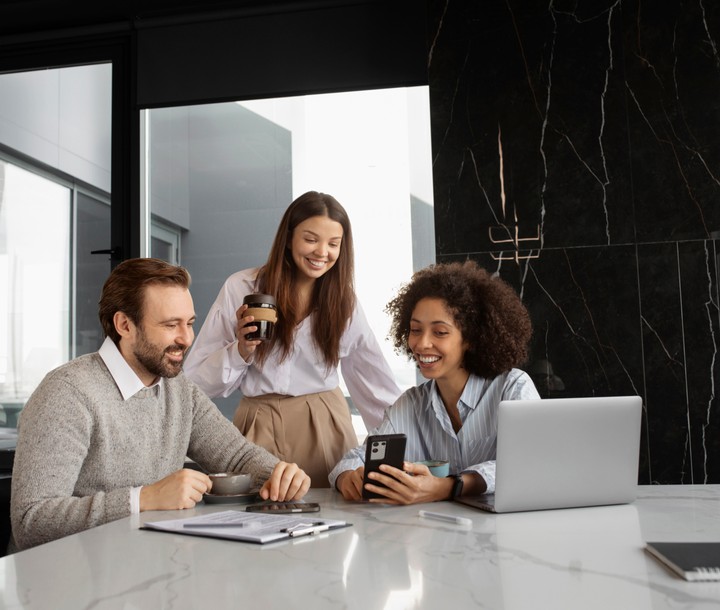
(281, 508)
(382, 449)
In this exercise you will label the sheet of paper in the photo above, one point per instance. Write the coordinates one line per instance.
(241, 525)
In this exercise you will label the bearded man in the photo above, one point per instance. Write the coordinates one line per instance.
(107, 435)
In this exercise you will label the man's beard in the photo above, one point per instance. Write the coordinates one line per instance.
(153, 359)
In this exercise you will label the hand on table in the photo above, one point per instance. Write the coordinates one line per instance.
(287, 482)
(181, 489)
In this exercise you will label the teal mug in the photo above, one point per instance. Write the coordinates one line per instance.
(438, 468)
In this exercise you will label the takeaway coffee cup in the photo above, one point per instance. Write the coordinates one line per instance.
(261, 307)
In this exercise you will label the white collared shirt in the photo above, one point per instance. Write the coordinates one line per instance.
(215, 364)
(129, 384)
(126, 379)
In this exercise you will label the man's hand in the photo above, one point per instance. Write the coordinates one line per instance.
(349, 483)
(181, 489)
(287, 482)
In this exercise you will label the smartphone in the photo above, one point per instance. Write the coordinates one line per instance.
(382, 449)
(282, 508)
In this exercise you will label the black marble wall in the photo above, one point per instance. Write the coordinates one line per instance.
(577, 153)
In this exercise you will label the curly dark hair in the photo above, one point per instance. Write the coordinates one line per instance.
(489, 313)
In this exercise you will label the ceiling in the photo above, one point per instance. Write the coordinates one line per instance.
(19, 18)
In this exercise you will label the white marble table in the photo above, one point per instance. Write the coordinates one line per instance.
(390, 558)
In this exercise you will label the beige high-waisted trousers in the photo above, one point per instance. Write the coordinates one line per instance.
(314, 430)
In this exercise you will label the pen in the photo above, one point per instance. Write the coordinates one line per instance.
(310, 530)
(213, 525)
(301, 526)
(443, 517)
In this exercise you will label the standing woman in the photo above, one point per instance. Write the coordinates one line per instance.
(292, 404)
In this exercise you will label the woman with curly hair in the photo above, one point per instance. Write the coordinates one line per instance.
(468, 332)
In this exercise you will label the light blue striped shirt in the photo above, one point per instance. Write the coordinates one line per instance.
(421, 415)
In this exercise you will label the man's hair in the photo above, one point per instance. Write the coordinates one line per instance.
(124, 290)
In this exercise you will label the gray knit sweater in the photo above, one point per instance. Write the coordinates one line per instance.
(81, 448)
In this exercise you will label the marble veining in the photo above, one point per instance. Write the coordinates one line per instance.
(389, 558)
(576, 149)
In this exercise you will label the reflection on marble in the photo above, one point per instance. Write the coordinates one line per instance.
(390, 558)
(576, 152)
(551, 544)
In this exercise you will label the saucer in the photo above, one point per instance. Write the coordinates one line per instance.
(245, 498)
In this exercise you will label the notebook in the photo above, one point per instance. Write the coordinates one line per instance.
(564, 453)
(691, 560)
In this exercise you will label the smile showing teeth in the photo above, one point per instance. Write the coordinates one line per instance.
(316, 264)
(428, 359)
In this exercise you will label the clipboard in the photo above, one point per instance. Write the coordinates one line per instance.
(259, 528)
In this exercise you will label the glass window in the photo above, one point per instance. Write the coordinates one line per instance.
(34, 283)
(55, 157)
(165, 243)
(92, 233)
(225, 173)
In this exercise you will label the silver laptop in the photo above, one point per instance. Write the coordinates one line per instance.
(564, 453)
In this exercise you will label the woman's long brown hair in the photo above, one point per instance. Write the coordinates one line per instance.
(333, 298)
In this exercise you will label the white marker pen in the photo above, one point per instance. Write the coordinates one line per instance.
(443, 517)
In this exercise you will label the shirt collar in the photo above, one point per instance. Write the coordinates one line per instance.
(125, 378)
(470, 396)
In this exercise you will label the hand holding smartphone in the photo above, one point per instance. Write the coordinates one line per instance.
(382, 449)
